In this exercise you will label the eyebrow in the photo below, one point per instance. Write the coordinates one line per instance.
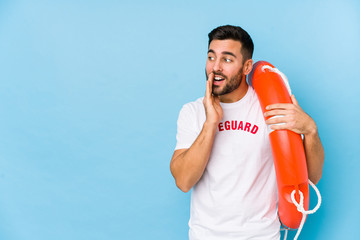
(225, 52)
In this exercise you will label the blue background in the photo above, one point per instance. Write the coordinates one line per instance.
(90, 93)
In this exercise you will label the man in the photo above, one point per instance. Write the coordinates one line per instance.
(223, 151)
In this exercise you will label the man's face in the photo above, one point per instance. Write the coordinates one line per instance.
(226, 62)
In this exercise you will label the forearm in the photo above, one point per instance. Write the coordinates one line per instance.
(314, 155)
(188, 167)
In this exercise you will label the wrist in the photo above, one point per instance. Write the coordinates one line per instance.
(312, 131)
(210, 125)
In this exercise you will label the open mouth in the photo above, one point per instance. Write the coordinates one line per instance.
(218, 79)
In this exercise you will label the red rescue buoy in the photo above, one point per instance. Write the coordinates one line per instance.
(287, 146)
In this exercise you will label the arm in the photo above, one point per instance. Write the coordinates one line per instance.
(296, 120)
(188, 165)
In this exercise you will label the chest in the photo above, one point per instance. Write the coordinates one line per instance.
(241, 140)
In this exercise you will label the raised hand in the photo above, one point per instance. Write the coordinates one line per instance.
(213, 110)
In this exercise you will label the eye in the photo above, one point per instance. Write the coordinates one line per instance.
(228, 60)
(211, 58)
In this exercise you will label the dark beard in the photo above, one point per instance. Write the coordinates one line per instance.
(230, 86)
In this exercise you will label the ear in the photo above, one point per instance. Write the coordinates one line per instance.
(248, 65)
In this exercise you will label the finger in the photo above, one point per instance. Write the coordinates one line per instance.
(279, 105)
(209, 84)
(293, 99)
(279, 126)
(211, 80)
(275, 112)
(207, 89)
(278, 119)
(285, 126)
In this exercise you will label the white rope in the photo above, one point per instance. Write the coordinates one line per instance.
(285, 234)
(286, 82)
(282, 75)
(300, 206)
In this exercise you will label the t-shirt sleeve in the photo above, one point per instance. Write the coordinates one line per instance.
(186, 130)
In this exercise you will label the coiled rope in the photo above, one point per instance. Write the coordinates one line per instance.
(300, 207)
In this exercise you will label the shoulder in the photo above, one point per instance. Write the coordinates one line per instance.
(194, 106)
(253, 98)
(252, 93)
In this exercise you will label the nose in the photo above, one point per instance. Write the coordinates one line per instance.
(217, 66)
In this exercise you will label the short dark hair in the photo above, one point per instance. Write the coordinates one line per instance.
(237, 34)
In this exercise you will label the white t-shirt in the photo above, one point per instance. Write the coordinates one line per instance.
(236, 198)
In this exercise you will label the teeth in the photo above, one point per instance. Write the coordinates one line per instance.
(218, 78)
